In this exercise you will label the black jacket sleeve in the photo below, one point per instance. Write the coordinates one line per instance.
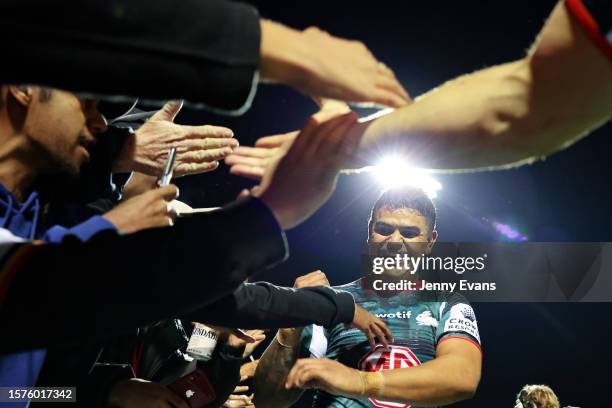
(223, 372)
(203, 51)
(266, 306)
(71, 291)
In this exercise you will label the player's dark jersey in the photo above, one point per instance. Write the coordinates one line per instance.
(419, 321)
(595, 16)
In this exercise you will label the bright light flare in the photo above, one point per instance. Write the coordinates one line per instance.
(509, 232)
(393, 172)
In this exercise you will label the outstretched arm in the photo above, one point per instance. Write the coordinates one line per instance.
(212, 53)
(268, 306)
(283, 351)
(273, 368)
(505, 115)
(499, 117)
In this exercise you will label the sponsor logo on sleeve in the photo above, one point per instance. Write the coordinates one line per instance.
(462, 319)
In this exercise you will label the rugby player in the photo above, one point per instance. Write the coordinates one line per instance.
(434, 358)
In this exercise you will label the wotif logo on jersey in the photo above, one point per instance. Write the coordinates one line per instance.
(403, 314)
(381, 359)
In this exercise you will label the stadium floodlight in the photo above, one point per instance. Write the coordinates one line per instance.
(394, 171)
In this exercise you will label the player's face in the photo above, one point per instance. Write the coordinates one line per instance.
(64, 127)
(399, 231)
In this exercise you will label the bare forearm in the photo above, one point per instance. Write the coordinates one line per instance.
(455, 126)
(280, 51)
(504, 115)
(443, 380)
(272, 370)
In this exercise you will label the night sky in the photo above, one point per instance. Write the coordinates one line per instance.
(565, 198)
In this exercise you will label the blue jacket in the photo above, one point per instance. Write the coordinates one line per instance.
(24, 220)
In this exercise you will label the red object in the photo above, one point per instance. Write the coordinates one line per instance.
(194, 388)
(381, 359)
(588, 23)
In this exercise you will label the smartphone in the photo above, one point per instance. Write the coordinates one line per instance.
(194, 388)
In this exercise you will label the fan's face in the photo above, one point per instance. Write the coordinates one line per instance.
(64, 126)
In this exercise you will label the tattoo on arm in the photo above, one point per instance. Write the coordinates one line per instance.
(272, 371)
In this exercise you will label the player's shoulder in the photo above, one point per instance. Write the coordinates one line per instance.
(455, 297)
(356, 289)
(352, 287)
(454, 305)
(441, 296)
(444, 302)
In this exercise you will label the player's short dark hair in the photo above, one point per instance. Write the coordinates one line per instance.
(405, 197)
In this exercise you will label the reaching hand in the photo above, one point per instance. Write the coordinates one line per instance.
(257, 334)
(137, 393)
(252, 162)
(237, 401)
(331, 105)
(365, 321)
(372, 326)
(250, 347)
(297, 184)
(147, 210)
(327, 375)
(316, 278)
(247, 370)
(236, 337)
(319, 64)
(199, 148)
